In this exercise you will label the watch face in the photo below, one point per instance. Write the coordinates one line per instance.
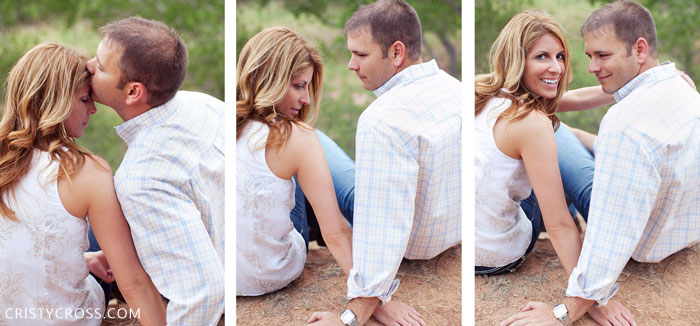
(561, 313)
(347, 317)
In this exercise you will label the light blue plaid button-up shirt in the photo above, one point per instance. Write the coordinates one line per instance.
(645, 202)
(171, 189)
(408, 177)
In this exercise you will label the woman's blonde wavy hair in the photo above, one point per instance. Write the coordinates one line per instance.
(266, 66)
(507, 55)
(40, 90)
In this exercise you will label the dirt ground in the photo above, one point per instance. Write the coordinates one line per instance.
(433, 287)
(115, 305)
(663, 294)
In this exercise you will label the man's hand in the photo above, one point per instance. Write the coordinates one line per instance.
(98, 265)
(398, 313)
(324, 318)
(534, 314)
(613, 313)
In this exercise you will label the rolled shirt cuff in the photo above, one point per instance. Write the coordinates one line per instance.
(356, 291)
(600, 293)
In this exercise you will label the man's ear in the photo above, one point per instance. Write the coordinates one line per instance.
(641, 50)
(397, 53)
(135, 93)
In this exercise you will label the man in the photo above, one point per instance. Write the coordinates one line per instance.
(171, 180)
(647, 178)
(408, 148)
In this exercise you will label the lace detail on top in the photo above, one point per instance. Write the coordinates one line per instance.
(270, 253)
(42, 268)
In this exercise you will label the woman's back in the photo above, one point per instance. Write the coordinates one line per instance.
(502, 230)
(270, 253)
(42, 267)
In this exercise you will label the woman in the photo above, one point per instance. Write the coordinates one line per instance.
(516, 150)
(517, 107)
(279, 76)
(48, 185)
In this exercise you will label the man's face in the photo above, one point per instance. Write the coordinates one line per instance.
(105, 71)
(609, 60)
(368, 60)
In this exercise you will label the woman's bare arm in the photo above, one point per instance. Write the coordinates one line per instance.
(303, 156)
(591, 97)
(532, 140)
(315, 179)
(94, 185)
(584, 98)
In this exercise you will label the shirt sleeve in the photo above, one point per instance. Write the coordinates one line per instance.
(385, 192)
(172, 242)
(625, 186)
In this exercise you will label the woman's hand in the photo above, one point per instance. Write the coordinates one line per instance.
(398, 313)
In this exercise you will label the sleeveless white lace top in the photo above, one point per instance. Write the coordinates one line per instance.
(44, 279)
(503, 232)
(270, 253)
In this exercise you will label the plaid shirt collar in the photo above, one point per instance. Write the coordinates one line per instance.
(652, 76)
(407, 75)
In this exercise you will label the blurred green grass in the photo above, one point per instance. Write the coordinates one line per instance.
(492, 15)
(570, 14)
(200, 23)
(99, 137)
(343, 98)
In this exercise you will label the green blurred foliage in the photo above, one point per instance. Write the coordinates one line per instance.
(441, 22)
(200, 23)
(676, 22)
(321, 22)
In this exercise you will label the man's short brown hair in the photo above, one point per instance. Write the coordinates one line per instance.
(628, 19)
(152, 54)
(389, 21)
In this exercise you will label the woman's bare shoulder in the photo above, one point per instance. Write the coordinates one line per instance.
(302, 134)
(532, 121)
(95, 173)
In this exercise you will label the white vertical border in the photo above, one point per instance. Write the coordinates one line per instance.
(230, 150)
(468, 162)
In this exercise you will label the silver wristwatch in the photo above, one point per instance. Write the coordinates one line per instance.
(348, 318)
(562, 314)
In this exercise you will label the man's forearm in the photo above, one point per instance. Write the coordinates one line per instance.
(577, 307)
(363, 308)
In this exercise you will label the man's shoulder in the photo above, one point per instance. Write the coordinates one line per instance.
(431, 92)
(198, 97)
(647, 104)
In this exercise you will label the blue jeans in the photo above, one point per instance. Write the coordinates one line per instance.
(342, 169)
(576, 165)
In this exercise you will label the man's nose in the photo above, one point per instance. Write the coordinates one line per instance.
(91, 65)
(593, 66)
(352, 65)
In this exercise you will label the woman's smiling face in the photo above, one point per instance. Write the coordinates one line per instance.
(544, 66)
